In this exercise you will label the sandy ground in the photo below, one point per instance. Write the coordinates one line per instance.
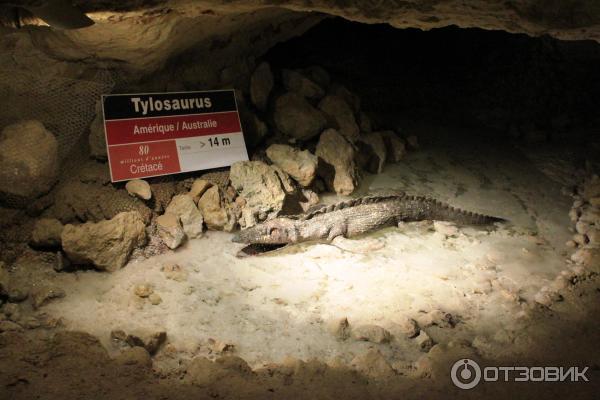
(274, 307)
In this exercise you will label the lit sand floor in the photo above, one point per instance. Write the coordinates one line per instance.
(280, 305)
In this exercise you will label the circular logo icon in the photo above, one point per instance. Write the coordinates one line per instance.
(465, 373)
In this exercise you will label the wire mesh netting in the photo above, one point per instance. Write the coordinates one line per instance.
(64, 106)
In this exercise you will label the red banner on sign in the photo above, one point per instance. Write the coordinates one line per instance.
(174, 127)
(142, 160)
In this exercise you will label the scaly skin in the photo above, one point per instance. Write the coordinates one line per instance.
(355, 217)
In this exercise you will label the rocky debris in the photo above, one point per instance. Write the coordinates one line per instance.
(436, 362)
(371, 333)
(318, 75)
(175, 272)
(424, 342)
(191, 219)
(143, 290)
(296, 118)
(373, 364)
(11, 288)
(169, 230)
(149, 340)
(339, 328)
(219, 347)
(309, 200)
(350, 98)
(438, 318)
(340, 116)
(10, 326)
(261, 84)
(28, 160)
(107, 244)
(336, 162)
(78, 201)
(260, 189)
(547, 296)
(396, 149)
(203, 372)
(135, 356)
(372, 152)
(300, 165)
(139, 188)
(407, 327)
(46, 233)
(587, 257)
(295, 81)
(213, 208)
(198, 188)
(96, 138)
(41, 295)
(155, 299)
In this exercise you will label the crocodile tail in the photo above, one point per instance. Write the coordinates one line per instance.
(439, 211)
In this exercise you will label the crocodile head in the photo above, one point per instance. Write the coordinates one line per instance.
(275, 231)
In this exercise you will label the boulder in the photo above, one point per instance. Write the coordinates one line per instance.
(372, 152)
(191, 219)
(28, 160)
(260, 190)
(371, 333)
(340, 116)
(373, 364)
(139, 188)
(318, 75)
(46, 233)
(300, 165)
(350, 98)
(106, 244)
(295, 81)
(261, 84)
(336, 162)
(396, 149)
(198, 188)
(96, 138)
(213, 209)
(169, 230)
(295, 117)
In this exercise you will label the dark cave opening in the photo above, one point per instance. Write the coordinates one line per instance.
(538, 89)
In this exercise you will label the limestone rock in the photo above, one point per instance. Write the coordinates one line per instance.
(438, 318)
(396, 149)
(300, 165)
(340, 328)
(424, 342)
(341, 116)
(139, 188)
(373, 364)
(175, 272)
(46, 233)
(149, 340)
(143, 290)
(373, 152)
(198, 188)
(259, 186)
(97, 138)
(190, 217)
(203, 372)
(295, 117)
(169, 230)
(350, 98)
(107, 244)
(155, 299)
(594, 238)
(213, 209)
(261, 84)
(371, 333)
(407, 327)
(336, 162)
(295, 81)
(318, 75)
(28, 159)
(134, 356)
(310, 199)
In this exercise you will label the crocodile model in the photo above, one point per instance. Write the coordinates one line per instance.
(355, 217)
